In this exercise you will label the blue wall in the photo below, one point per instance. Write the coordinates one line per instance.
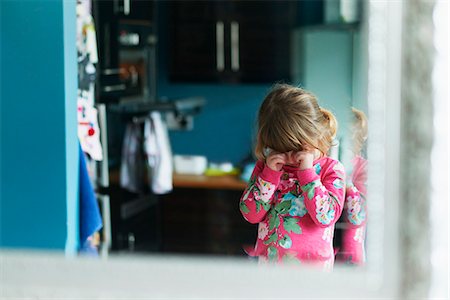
(39, 154)
(333, 62)
(327, 69)
(224, 131)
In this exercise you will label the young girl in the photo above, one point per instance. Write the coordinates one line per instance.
(353, 237)
(296, 192)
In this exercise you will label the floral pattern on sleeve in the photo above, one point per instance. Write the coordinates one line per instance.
(317, 168)
(263, 230)
(324, 196)
(256, 199)
(325, 212)
(359, 235)
(265, 188)
(355, 211)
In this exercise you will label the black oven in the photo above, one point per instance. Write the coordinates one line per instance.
(127, 58)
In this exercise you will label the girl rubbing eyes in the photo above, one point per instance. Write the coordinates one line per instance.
(296, 192)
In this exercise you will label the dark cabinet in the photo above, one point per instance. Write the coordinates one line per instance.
(261, 40)
(126, 35)
(230, 41)
(133, 9)
(196, 33)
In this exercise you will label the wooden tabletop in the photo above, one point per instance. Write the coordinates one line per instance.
(226, 182)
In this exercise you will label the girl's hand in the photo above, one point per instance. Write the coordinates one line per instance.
(276, 161)
(305, 159)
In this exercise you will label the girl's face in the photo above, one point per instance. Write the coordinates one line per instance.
(290, 157)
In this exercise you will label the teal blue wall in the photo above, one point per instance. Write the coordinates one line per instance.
(39, 154)
(334, 66)
(327, 64)
(224, 130)
(360, 53)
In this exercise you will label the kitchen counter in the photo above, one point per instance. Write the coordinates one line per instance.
(226, 182)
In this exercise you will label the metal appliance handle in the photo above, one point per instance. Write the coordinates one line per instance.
(126, 7)
(220, 52)
(235, 46)
(114, 88)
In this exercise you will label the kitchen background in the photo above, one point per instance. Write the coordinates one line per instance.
(39, 178)
(229, 54)
(208, 64)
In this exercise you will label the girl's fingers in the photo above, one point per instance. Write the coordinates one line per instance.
(276, 161)
(278, 157)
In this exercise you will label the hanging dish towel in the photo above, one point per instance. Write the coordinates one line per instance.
(90, 218)
(159, 154)
(132, 166)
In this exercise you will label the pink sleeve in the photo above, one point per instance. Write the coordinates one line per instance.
(257, 197)
(359, 175)
(355, 207)
(324, 195)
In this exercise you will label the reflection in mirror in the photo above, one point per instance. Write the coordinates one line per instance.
(204, 69)
(153, 58)
(168, 99)
(355, 208)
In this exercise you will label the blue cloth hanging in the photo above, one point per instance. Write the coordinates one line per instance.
(90, 218)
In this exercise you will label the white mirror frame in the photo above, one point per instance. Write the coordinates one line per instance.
(45, 275)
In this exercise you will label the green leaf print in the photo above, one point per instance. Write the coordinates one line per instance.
(258, 206)
(309, 188)
(274, 221)
(250, 187)
(247, 193)
(283, 207)
(272, 253)
(285, 242)
(289, 258)
(291, 225)
(265, 205)
(271, 239)
(244, 207)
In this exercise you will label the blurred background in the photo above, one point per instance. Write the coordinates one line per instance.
(127, 126)
(162, 86)
(219, 58)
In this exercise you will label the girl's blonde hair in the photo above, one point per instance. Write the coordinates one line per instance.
(359, 130)
(290, 118)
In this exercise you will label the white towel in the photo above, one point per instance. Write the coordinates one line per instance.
(159, 154)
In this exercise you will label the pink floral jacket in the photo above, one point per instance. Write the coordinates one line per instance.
(296, 211)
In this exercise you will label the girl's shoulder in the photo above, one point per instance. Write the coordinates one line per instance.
(328, 164)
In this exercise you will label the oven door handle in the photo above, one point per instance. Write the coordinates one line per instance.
(112, 71)
(114, 88)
